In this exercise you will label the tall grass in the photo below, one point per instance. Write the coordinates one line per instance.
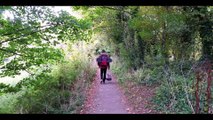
(62, 90)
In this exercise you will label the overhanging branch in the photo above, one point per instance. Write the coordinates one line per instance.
(33, 32)
(116, 9)
(9, 51)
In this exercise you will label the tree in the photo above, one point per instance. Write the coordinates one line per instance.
(30, 39)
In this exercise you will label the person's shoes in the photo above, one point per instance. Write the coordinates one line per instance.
(101, 82)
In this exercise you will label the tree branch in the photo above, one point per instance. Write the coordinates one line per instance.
(18, 30)
(33, 32)
(9, 51)
(29, 72)
(116, 9)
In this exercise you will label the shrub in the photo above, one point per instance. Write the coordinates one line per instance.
(171, 96)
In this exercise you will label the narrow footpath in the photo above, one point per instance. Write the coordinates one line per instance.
(105, 98)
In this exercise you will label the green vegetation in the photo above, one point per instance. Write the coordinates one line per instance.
(58, 76)
(158, 46)
(161, 46)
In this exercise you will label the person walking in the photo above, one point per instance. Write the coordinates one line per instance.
(103, 61)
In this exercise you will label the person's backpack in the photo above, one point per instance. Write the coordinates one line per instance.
(104, 60)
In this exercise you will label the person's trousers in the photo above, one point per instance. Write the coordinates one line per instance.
(103, 74)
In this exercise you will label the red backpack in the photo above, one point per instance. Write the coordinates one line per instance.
(104, 61)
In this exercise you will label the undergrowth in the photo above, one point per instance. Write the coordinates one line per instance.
(60, 88)
(175, 83)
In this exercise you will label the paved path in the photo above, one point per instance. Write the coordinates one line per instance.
(106, 98)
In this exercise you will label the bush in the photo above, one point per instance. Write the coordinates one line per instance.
(59, 88)
(8, 102)
(54, 92)
(175, 92)
(51, 93)
(171, 96)
(120, 69)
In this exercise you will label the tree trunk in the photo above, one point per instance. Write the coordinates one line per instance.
(163, 45)
(141, 47)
